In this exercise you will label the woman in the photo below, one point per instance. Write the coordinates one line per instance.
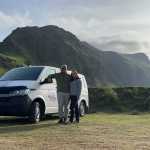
(75, 91)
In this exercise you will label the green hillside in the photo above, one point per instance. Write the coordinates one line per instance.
(126, 99)
(51, 45)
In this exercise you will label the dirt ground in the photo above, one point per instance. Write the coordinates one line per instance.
(95, 132)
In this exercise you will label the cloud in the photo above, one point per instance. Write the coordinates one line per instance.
(122, 45)
(113, 24)
(124, 24)
(10, 21)
(89, 23)
(14, 20)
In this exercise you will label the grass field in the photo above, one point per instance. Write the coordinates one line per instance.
(95, 132)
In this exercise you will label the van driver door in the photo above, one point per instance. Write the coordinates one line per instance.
(50, 92)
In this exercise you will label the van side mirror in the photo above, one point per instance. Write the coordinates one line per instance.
(47, 80)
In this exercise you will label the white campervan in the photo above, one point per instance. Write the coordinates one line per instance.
(23, 92)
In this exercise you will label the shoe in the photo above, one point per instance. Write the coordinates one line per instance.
(77, 121)
(66, 121)
(71, 121)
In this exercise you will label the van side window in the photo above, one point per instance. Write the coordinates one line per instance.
(51, 71)
(48, 72)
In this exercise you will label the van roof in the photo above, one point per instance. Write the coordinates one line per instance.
(58, 69)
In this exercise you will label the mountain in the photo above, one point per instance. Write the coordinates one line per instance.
(138, 57)
(51, 45)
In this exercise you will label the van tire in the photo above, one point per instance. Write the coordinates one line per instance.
(82, 108)
(35, 112)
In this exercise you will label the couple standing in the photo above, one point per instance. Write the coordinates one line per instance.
(68, 89)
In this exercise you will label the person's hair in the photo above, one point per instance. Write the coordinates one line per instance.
(75, 72)
(64, 67)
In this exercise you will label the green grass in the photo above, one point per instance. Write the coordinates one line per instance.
(94, 132)
(2, 70)
(18, 59)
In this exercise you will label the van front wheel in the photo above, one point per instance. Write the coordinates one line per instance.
(35, 112)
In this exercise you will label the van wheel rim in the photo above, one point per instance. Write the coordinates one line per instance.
(37, 113)
(82, 109)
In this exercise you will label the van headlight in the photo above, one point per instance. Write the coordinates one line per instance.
(21, 92)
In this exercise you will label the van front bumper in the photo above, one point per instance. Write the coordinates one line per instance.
(15, 105)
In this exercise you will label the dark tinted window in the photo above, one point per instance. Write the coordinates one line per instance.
(26, 73)
(48, 72)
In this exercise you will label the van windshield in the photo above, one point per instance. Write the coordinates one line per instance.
(25, 73)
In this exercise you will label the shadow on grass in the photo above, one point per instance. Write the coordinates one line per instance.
(13, 124)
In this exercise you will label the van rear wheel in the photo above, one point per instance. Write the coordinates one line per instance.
(82, 109)
(35, 112)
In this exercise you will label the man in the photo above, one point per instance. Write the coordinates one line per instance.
(63, 90)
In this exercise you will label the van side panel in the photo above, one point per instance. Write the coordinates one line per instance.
(84, 92)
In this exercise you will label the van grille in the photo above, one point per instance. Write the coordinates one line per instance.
(4, 91)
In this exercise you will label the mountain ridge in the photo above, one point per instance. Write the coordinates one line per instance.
(52, 45)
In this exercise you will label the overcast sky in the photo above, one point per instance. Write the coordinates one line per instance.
(118, 25)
